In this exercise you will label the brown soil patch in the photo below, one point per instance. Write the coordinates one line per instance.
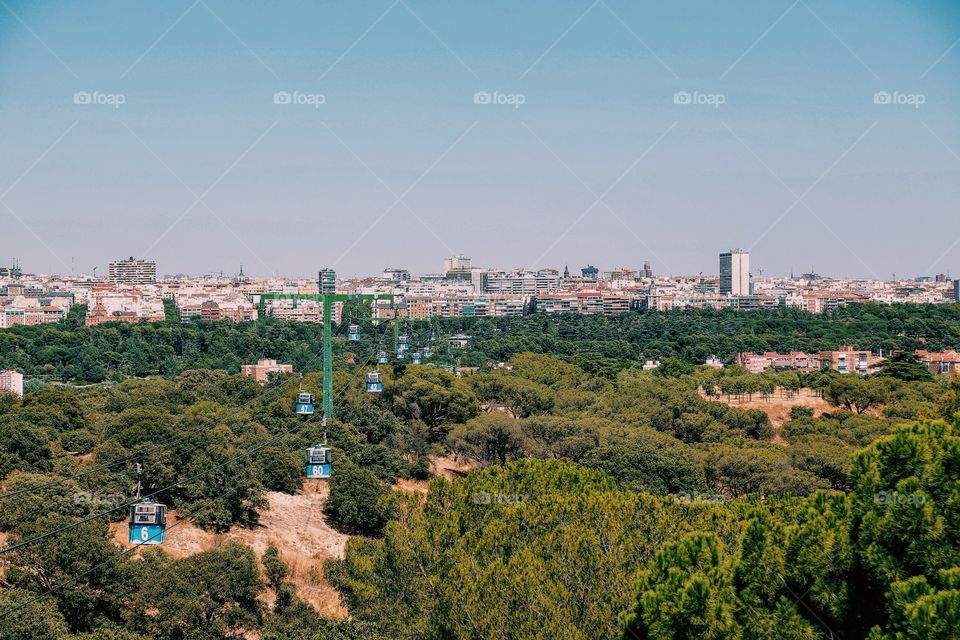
(450, 467)
(294, 524)
(778, 405)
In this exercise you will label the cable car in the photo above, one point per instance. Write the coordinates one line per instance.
(374, 382)
(416, 357)
(304, 403)
(426, 352)
(319, 462)
(382, 357)
(148, 522)
(403, 343)
(353, 333)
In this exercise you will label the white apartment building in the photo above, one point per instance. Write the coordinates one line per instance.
(133, 271)
(11, 382)
(522, 283)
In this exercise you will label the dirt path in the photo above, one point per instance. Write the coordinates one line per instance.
(294, 524)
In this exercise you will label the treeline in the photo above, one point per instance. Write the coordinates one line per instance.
(588, 468)
(211, 445)
(548, 549)
(601, 345)
(695, 334)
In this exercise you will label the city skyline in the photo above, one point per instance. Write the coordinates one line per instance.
(103, 271)
(199, 135)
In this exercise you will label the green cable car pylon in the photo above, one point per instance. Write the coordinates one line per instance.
(328, 297)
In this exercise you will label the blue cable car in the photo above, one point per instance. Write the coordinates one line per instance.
(304, 403)
(403, 343)
(353, 333)
(382, 357)
(148, 522)
(426, 352)
(319, 462)
(374, 382)
(416, 357)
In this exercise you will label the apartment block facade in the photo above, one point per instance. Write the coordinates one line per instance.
(11, 382)
(133, 271)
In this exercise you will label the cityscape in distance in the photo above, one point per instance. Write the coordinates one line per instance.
(458, 320)
(132, 291)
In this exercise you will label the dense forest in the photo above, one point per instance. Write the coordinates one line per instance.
(73, 352)
(604, 501)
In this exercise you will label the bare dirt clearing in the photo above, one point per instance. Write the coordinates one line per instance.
(777, 406)
(294, 524)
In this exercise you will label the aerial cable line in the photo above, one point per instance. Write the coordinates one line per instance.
(138, 454)
(124, 505)
(98, 515)
(136, 546)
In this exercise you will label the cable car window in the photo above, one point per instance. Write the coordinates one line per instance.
(145, 513)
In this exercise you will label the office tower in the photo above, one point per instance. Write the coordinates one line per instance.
(735, 273)
(133, 271)
(328, 281)
(647, 270)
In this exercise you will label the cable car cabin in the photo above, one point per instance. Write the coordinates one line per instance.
(319, 463)
(382, 357)
(304, 404)
(374, 382)
(416, 357)
(148, 522)
(403, 343)
(353, 333)
(426, 352)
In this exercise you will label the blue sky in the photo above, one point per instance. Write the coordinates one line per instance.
(399, 167)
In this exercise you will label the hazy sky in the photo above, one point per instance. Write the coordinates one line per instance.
(782, 150)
